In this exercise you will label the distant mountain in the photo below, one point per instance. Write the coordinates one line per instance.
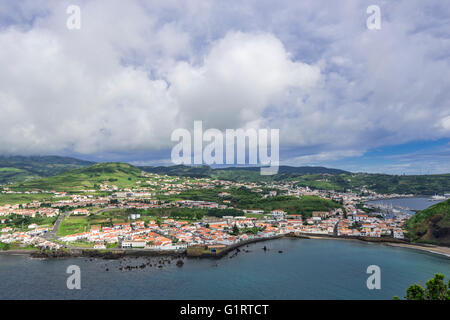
(238, 173)
(431, 225)
(24, 169)
(20, 168)
(118, 174)
(180, 170)
(320, 178)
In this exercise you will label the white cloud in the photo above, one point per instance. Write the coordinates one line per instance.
(134, 72)
(56, 99)
(445, 123)
(240, 77)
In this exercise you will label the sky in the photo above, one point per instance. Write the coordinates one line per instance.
(341, 94)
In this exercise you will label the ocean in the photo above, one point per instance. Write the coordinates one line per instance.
(306, 269)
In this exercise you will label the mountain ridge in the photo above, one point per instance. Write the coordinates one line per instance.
(20, 168)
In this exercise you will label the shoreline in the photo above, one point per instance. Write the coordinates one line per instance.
(442, 251)
(121, 253)
(434, 249)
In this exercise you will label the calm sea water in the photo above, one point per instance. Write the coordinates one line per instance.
(413, 203)
(307, 269)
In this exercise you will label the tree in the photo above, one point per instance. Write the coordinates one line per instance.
(235, 230)
(435, 289)
(415, 292)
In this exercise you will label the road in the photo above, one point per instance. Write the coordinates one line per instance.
(52, 234)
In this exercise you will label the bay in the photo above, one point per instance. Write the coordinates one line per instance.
(306, 269)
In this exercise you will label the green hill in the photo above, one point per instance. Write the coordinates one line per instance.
(181, 170)
(320, 178)
(431, 225)
(21, 168)
(118, 174)
(246, 174)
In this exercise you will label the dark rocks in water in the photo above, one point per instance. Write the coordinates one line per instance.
(281, 251)
(160, 267)
(180, 263)
(106, 269)
(264, 248)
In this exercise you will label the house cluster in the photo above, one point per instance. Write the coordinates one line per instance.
(362, 225)
(171, 234)
(29, 211)
(128, 235)
(32, 238)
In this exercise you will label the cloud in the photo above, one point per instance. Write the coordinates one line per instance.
(240, 77)
(136, 71)
(445, 124)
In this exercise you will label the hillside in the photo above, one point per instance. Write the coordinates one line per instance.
(118, 174)
(20, 168)
(321, 178)
(181, 170)
(239, 173)
(380, 183)
(431, 225)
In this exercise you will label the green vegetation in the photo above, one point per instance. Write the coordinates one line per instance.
(22, 222)
(436, 289)
(431, 225)
(119, 174)
(155, 213)
(401, 184)
(224, 212)
(4, 246)
(197, 195)
(321, 178)
(8, 175)
(249, 230)
(15, 246)
(292, 205)
(238, 174)
(24, 169)
(72, 225)
(21, 198)
(19, 168)
(243, 198)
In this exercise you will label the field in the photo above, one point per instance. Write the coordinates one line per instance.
(118, 174)
(71, 225)
(12, 198)
(19, 168)
(8, 175)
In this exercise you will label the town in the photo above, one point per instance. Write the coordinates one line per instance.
(151, 216)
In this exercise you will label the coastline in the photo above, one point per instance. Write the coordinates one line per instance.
(442, 251)
(121, 253)
(434, 249)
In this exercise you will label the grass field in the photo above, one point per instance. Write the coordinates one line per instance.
(72, 225)
(12, 198)
(8, 175)
(119, 174)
